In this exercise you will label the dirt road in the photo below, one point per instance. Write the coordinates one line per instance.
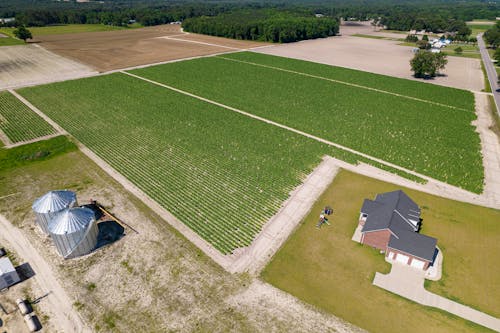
(60, 305)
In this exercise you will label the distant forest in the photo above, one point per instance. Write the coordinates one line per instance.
(265, 25)
(270, 20)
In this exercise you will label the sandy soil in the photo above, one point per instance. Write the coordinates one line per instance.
(57, 301)
(377, 56)
(490, 149)
(23, 65)
(112, 50)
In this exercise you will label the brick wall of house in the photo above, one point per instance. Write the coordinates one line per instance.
(378, 239)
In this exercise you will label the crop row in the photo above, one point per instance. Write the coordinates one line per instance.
(18, 122)
(430, 92)
(433, 140)
(220, 173)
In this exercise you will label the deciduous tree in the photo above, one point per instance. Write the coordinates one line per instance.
(22, 33)
(426, 63)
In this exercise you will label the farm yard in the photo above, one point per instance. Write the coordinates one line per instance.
(18, 122)
(378, 116)
(225, 175)
(110, 50)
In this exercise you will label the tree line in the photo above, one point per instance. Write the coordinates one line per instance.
(263, 25)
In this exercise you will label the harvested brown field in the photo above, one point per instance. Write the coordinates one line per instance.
(112, 50)
(24, 65)
(377, 56)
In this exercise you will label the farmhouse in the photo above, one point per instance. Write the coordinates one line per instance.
(391, 223)
(8, 274)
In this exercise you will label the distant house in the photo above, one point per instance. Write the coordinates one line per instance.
(6, 20)
(8, 274)
(391, 223)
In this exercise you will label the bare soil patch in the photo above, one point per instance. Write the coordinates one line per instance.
(239, 44)
(24, 65)
(112, 50)
(378, 56)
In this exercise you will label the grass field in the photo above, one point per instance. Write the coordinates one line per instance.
(9, 41)
(479, 26)
(336, 273)
(18, 122)
(389, 126)
(33, 152)
(222, 174)
(66, 29)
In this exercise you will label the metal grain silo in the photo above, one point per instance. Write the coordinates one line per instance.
(74, 232)
(48, 205)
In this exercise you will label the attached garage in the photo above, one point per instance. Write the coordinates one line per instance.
(402, 258)
(417, 263)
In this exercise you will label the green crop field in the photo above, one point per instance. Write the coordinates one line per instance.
(422, 127)
(222, 174)
(18, 122)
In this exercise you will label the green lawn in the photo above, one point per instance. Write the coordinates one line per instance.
(9, 41)
(67, 29)
(393, 128)
(20, 123)
(469, 51)
(477, 26)
(37, 151)
(336, 273)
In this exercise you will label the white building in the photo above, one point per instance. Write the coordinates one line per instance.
(8, 274)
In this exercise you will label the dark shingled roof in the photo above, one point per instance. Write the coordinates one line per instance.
(389, 210)
(393, 210)
(416, 244)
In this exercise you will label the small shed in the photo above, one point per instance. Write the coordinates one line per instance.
(8, 274)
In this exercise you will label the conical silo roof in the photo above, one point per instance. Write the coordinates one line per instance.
(71, 220)
(54, 201)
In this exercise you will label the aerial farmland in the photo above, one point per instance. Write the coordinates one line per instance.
(207, 160)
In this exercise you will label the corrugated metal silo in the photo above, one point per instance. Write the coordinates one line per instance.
(48, 205)
(74, 232)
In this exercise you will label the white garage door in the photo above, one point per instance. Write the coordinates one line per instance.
(402, 258)
(417, 263)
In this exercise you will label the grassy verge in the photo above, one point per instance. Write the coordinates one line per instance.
(495, 127)
(369, 36)
(9, 41)
(336, 273)
(487, 86)
(38, 151)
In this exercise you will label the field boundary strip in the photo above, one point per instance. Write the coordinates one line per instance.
(291, 129)
(40, 138)
(343, 82)
(197, 42)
